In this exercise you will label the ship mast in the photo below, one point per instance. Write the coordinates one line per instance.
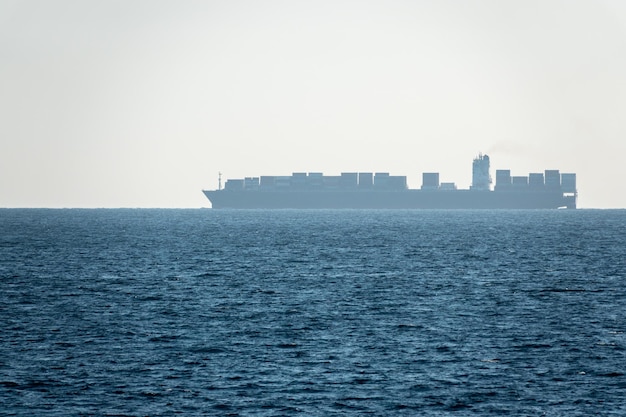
(219, 180)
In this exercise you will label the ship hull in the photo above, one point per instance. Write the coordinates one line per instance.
(378, 199)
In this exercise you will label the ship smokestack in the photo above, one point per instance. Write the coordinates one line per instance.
(481, 179)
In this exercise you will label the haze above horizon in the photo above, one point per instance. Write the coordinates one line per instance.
(141, 103)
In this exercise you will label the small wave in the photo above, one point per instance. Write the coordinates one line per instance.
(207, 349)
(288, 345)
(361, 381)
(358, 398)
(65, 344)
(458, 405)
(149, 298)
(568, 290)
(342, 405)
(534, 346)
(408, 326)
(612, 374)
(207, 275)
(163, 338)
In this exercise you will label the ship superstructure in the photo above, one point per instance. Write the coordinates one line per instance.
(548, 189)
(481, 179)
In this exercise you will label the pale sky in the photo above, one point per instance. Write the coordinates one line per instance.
(123, 103)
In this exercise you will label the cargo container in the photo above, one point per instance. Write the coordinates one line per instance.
(366, 180)
(430, 180)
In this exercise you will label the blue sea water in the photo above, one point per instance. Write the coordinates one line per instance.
(312, 313)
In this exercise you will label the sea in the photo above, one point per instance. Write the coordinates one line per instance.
(196, 312)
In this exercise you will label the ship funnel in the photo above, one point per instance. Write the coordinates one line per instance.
(481, 179)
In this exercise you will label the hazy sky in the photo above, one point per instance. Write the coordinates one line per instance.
(142, 103)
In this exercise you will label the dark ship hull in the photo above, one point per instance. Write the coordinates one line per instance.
(402, 199)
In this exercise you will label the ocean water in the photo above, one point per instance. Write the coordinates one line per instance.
(312, 313)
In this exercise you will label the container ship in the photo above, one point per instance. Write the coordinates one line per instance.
(550, 189)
